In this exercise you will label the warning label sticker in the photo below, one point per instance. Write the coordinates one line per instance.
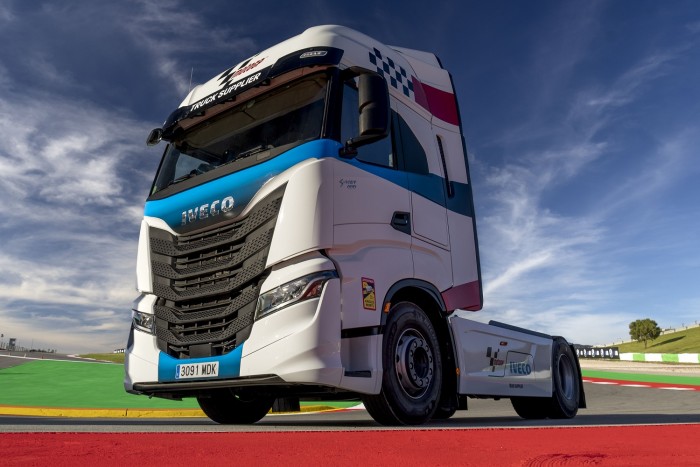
(369, 298)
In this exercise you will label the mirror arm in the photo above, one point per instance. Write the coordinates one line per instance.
(349, 150)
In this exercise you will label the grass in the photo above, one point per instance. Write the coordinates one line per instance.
(686, 341)
(106, 357)
(50, 383)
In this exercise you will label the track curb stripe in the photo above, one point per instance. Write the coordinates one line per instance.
(129, 413)
(640, 384)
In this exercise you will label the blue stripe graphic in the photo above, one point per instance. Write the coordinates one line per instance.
(429, 186)
(241, 185)
(244, 184)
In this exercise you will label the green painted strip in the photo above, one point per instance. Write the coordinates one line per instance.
(638, 357)
(329, 404)
(61, 384)
(74, 384)
(669, 357)
(665, 379)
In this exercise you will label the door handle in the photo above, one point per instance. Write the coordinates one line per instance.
(401, 221)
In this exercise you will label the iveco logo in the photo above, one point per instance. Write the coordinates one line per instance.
(214, 208)
(314, 53)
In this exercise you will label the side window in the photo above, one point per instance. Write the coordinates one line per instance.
(378, 153)
(411, 153)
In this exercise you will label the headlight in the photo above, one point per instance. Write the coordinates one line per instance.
(143, 321)
(298, 290)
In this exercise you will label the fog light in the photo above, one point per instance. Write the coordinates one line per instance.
(143, 321)
(304, 288)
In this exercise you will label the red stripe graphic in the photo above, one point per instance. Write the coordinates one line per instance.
(464, 296)
(439, 103)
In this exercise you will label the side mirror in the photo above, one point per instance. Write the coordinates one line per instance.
(374, 112)
(154, 137)
(374, 106)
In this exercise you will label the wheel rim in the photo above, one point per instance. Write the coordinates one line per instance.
(566, 377)
(414, 363)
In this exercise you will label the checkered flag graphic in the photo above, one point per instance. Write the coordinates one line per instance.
(394, 74)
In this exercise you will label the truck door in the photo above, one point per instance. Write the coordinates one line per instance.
(369, 200)
(418, 160)
(427, 189)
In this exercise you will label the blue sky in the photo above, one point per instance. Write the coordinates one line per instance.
(581, 120)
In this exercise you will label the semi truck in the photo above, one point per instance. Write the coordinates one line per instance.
(310, 235)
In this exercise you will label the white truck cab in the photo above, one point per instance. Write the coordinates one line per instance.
(310, 233)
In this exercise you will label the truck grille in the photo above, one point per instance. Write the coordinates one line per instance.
(208, 282)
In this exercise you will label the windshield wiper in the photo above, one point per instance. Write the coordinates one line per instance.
(252, 151)
(193, 173)
(184, 177)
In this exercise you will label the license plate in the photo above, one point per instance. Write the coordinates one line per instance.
(197, 370)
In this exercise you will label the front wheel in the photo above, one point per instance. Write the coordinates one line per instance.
(229, 408)
(412, 378)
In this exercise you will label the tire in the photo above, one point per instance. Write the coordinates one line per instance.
(229, 408)
(566, 379)
(531, 408)
(565, 392)
(412, 378)
(444, 413)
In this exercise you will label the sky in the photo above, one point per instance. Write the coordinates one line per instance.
(580, 118)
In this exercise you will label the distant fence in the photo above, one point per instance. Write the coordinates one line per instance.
(613, 353)
(597, 352)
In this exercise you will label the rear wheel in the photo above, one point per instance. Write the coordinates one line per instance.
(531, 408)
(443, 413)
(229, 408)
(412, 377)
(565, 376)
(565, 393)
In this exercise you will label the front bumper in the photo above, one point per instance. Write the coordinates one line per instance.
(297, 345)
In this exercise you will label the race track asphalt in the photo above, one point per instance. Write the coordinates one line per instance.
(67, 386)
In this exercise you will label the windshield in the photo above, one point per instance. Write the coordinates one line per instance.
(251, 132)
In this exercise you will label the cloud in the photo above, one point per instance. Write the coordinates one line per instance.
(171, 34)
(537, 263)
(662, 169)
(693, 28)
(66, 328)
(564, 273)
(75, 170)
(6, 14)
(64, 151)
(71, 207)
(43, 66)
(598, 106)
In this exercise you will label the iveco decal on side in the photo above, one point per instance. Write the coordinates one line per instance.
(310, 234)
